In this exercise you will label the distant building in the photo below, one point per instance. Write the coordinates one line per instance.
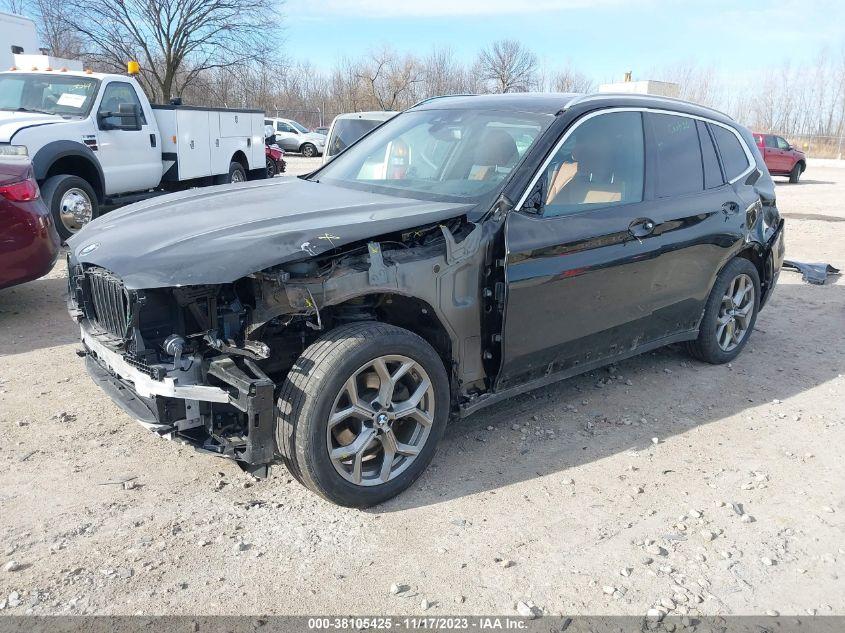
(644, 87)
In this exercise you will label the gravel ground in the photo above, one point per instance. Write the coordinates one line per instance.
(659, 482)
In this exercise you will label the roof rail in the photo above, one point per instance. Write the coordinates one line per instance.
(628, 95)
(419, 103)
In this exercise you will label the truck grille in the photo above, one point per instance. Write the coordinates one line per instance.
(109, 306)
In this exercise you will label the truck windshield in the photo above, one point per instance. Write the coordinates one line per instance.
(64, 95)
(451, 155)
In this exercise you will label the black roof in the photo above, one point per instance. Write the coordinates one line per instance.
(553, 103)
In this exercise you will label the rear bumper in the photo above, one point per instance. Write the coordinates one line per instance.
(188, 408)
(30, 244)
(775, 253)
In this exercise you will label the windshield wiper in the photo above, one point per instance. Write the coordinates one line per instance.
(22, 109)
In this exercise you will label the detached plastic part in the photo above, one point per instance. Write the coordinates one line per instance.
(812, 273)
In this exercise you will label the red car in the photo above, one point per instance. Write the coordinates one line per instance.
(781, 158)
(29, 243)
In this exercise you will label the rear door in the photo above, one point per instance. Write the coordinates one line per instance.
(697, 220)
(773, 155)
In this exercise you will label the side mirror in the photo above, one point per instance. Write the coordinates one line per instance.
(129, 115)
(534, 201)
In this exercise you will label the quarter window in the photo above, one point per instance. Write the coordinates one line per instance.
(677, 155)
(733, 155)
(712, 171)
(601, 164)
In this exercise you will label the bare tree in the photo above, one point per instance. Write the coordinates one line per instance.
(176, 41)
(568, 79)
(390, 78)
(509, 66)
(18, 7)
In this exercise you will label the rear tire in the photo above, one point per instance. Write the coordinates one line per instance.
(795, 174)
(271, 168)
(72, 202)
(308, 150)
(236, 173)
(344, 461)
(724, 330)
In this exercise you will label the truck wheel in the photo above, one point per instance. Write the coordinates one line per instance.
(72, 202)
(795, 174)
(729, 314)
(361, 412)
(308, 150)
(271, 168)
(236, 174)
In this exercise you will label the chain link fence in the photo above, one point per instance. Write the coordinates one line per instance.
(817, 145)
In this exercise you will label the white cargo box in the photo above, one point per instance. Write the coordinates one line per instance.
(199, 142)
(46, 62)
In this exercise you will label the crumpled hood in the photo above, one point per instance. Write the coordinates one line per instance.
(11, 122)
(219, 234)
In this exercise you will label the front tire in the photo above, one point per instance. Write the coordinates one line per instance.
(729, 315)
(72, 202)
(361, 413)
(795, 174)
(271, 168)
(308, 150)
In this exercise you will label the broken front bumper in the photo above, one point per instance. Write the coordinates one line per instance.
(182, 405)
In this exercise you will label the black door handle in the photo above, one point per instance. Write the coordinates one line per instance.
(641, 227)
(152, 140)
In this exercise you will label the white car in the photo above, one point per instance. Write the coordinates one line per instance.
(348, 128)
(295, 137)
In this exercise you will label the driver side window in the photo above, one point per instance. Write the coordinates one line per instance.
(116, 93)
(600, 164)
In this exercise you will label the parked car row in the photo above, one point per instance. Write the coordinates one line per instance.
(467, 250)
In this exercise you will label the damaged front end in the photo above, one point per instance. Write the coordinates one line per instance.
(200, 364)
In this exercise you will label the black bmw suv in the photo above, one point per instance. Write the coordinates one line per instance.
(469, 249)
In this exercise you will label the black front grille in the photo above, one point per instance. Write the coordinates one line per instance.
(108, 301)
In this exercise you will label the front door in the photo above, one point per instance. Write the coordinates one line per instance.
(578, 269)
(287, 137)
(131, 159)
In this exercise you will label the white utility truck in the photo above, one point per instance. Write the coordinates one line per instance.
(96, 141)
(17, 36)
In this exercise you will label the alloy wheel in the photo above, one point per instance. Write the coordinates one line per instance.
(380, 420)
(735, 312)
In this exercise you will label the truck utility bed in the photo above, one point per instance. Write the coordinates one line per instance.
(198, 141)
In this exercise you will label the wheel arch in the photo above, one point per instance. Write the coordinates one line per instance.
(240, 158)
(71, 158)
(411, 313)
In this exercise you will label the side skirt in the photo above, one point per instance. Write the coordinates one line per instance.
(488, 399)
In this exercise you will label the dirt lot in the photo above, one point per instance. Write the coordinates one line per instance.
(562, 497)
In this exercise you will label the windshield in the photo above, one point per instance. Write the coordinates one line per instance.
(301, 128)
(49, 94)
(460, 155)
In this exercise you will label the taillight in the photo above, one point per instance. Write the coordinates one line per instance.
(21, 191)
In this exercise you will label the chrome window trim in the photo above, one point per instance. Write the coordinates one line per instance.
(545, 164)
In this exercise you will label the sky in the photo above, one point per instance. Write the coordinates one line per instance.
(601, 38)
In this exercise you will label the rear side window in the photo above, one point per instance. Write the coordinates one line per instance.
(677, 155)
(733, 155)
(712, 171)
(347, 131)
